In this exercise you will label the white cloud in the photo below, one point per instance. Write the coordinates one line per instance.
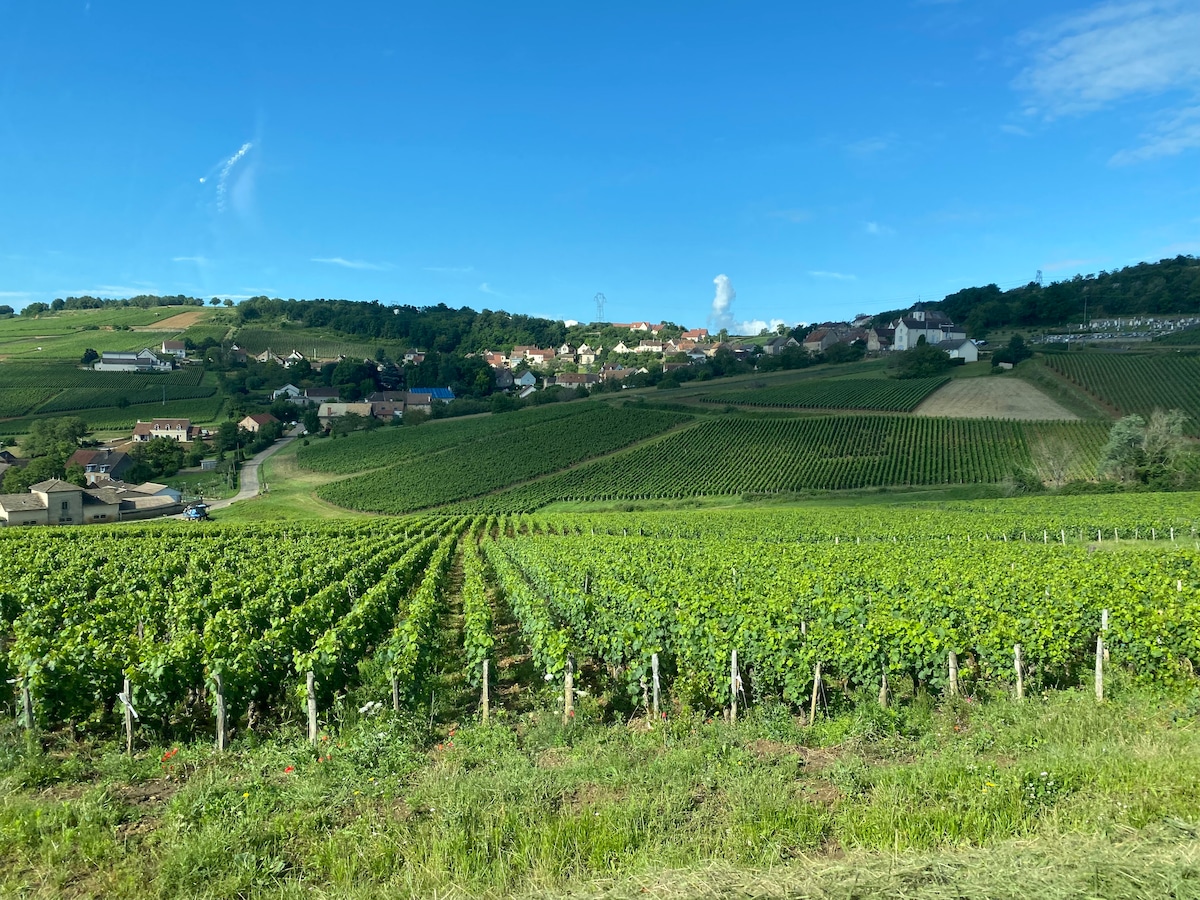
(14, 295)
(570, 323)
(836, 276)
(450, 270)
(755, 326)
(198, 260)
(1114, 51)
(878, 230)
(486, 288)
(351, 263)
(1175, 133)
(722, 304)
(1015, 129)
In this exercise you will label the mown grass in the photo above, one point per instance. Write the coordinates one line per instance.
(1068, 797)
(291, 494)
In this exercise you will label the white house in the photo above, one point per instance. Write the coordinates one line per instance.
(176, 349)
(143, 361)
(961, 349)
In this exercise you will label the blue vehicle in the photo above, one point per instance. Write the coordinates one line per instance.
(197, 512)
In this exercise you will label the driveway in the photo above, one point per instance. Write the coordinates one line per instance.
(249, 471)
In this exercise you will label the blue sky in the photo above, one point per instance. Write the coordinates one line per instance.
(825, 158)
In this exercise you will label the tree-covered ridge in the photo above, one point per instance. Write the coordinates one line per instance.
(1167, 287)
(438, 329)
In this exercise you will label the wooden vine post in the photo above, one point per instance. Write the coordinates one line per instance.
(1019, 666)
(222, 735)
(395, 693)
(1101, 654)
(952, 665)
(311, 692)
(26, 704)
(483, 697)
(126, 698)
(654, 678)
(812, 711)
(883, 689)
(569, 690)
(734, 682)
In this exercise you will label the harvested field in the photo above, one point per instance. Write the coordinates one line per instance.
(999, 397)
(174, 323)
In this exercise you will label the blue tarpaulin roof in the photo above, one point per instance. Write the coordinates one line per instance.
(435, 393)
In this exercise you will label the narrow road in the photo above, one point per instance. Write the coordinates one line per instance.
(249, 471)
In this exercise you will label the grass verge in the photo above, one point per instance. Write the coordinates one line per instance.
(1054, 797)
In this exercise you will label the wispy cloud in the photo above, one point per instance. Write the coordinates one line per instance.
(9, 294)
(449, 270)
(868, 146)
(223, 177)
(198, 260)
(352, 263)
(1016, 129)
(795, 216)
(1114, 51)
(1175, 133)
(878, 230)
(836, 276)
(106, 290)
(486, 288)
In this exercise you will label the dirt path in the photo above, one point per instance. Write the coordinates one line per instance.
(248, 475)
(516, 676)
(451, 698)
(993, 397)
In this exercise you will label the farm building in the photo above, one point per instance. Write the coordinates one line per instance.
(820, 340)
(777, 345)
(961, 349)
(176, 349)
(100, 465)
(574, 380)
(144, 360)
(255, 423)
(180, 430)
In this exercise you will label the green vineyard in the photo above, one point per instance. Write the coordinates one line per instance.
(52, 389)
(734, 455)
(883, 394)
(313, 344)
(1133, 384)
(461, 471)
(388, 446)
(203, 628)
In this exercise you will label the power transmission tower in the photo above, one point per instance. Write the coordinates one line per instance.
(1038, 279)
(600, 301)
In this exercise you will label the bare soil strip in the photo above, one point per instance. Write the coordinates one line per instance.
(173, 323)
(993, 397)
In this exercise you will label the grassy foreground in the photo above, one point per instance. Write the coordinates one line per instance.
(1056, 797)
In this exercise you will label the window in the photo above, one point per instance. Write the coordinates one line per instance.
(66, 506)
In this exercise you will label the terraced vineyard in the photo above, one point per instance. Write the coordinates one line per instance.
(491, 462)
(1135, 383)
(736, 455)
(884, 394)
